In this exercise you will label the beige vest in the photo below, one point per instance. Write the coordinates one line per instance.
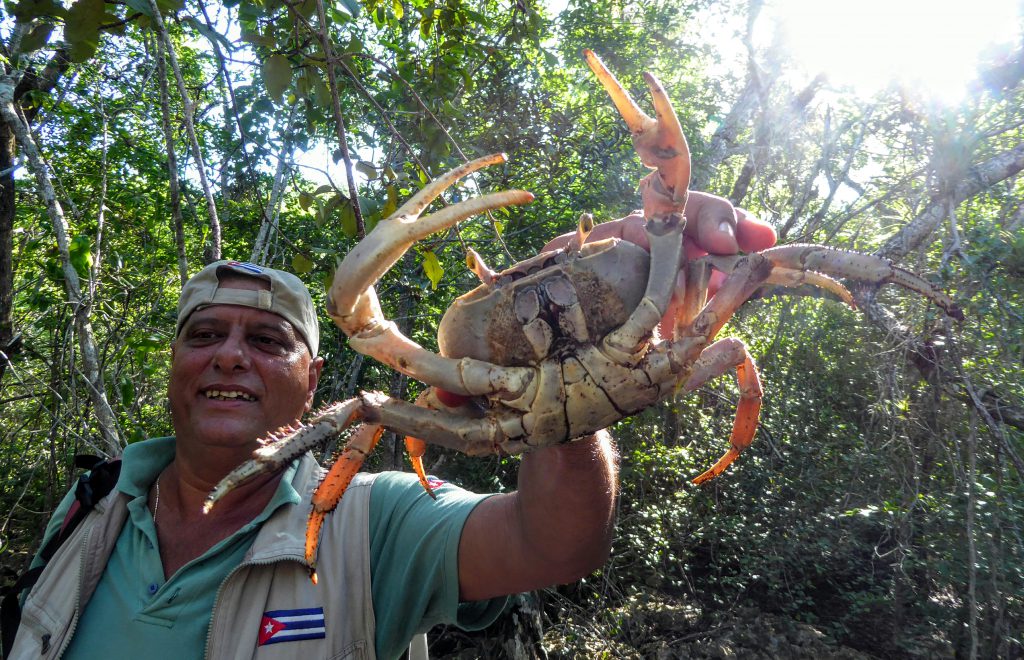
(273, 576)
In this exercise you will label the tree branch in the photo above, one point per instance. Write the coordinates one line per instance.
(213, 253)
(981, 177)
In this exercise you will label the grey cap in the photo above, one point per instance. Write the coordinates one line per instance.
(288, 297)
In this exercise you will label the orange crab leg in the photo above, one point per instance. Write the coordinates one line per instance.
(335, 483)
(715, 360)
(416, 448)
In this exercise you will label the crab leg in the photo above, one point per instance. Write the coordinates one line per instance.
(856, 266)
(416, 448)
(783, 276)
(353, 304)
(281, 448)
(486, 435)
(713, 362)
(626, 342)
(335, 483)
(790, 265)
(749, 273)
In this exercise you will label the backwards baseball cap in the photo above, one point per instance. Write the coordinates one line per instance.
(288, 297)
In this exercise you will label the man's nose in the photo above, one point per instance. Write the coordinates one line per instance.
(232, 353)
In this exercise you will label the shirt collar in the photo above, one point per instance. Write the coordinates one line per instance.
(144, 461)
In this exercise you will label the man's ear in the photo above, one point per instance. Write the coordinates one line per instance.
(316, 366)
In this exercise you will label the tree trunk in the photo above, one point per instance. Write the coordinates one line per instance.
(7, 205)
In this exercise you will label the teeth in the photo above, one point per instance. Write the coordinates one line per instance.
(228, 395)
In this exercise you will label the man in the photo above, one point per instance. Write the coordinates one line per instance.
(148, 575)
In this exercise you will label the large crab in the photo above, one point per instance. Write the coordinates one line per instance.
(562, 344)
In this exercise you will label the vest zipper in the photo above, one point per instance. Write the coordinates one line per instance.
(216, 598)
(78, 595)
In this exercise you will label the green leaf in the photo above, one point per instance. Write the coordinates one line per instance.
(170, 7)
(301, 264)
(397, 9)
(27, 10)
(348, 219)
(277, 73)
(353, 7)
(212, 35)
(82, 29)
(367, 169)
(432, 269)
(127, 391)
(37, 38)
(257, 39)
(305, 200)
(141, 6)
(81, 255)
(264, 106)
(303, 86)
(321, 92)
(426, 24)
(392, 203)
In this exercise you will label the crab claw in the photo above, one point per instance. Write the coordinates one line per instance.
(659, 142)
(352, 302)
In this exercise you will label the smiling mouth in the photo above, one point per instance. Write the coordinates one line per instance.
(228, 395)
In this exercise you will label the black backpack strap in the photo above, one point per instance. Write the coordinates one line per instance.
(92, 487)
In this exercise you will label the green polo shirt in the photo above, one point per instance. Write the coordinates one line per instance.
(136, 613)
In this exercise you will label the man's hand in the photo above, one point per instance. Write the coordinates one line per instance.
(713, 226)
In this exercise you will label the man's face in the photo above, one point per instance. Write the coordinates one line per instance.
(238, 373)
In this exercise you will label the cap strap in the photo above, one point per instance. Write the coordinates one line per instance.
(259, 299)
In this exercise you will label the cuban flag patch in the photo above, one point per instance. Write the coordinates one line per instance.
(245, 265)
(292, 625)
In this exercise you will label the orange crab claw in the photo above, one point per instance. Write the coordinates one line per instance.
(659, 141)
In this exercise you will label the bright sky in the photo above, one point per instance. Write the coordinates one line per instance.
(932, 45)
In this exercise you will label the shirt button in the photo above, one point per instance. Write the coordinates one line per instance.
(153, 588)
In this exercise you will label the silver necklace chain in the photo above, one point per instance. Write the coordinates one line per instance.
(156, 501)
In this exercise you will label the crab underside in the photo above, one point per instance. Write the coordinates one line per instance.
(562, 344)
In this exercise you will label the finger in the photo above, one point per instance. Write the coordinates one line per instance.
(630, 228)
(711, 221)
(450, 399)
(753, 234)
(692, 249)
